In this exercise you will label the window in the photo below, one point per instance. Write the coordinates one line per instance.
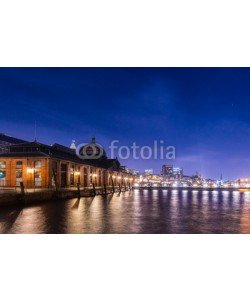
(72, 175)
(19, 172)
(64, 180)
(91, 176)
(2, 173)
(38, 173)
(85, 177)
(54, 173)
(100, 178)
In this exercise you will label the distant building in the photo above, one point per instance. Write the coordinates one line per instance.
(167, 171)
(149, 172)
(171, 173)
(6, 140)
(178, 173)
(134, 172)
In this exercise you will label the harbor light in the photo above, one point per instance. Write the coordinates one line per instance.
(77, 173)
(30, 170)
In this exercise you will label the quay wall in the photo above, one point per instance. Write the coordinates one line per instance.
(8, 199)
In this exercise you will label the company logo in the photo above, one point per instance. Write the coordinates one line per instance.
(89, 151)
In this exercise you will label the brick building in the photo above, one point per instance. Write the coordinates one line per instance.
(42, 166)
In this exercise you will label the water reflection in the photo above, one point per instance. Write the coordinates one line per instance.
(145, 211)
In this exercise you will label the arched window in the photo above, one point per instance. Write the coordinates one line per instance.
(2, 173)
(38, 173)
(19, 172)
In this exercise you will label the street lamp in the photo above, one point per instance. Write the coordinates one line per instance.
(30, 170)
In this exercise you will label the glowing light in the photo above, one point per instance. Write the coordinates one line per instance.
(136, 184)
(77, 173)
(30, 170)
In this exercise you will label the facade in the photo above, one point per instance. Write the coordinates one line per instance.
(41, 166)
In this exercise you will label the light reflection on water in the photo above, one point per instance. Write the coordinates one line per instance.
(139, 211)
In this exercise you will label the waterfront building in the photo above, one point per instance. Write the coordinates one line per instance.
(41, 166)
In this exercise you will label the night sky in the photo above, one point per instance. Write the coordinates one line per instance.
(203, 112)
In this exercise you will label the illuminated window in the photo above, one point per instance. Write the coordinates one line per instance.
(38, 173)
(19, 172)
(2, 173)
(72, 177)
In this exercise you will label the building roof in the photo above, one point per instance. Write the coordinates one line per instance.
(35, 149)
(10, 140)
(24, 154)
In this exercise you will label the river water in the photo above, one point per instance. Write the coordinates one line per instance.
(139, 211)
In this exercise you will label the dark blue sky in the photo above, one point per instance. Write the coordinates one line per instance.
(203, 112)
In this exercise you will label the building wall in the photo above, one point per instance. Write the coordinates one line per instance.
(38, 173)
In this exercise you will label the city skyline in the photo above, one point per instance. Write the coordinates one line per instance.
(200, 111)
